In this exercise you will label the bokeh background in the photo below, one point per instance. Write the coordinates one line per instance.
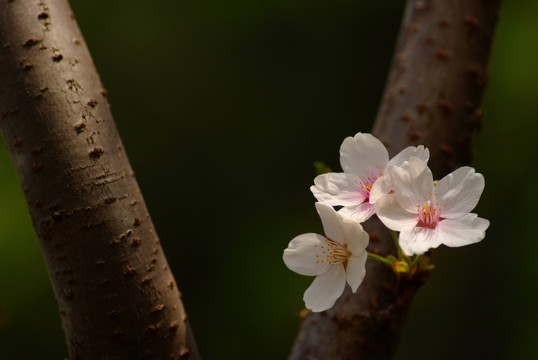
(223, 107)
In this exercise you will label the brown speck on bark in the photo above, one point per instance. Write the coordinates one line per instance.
(137, 222)
(110, 199)
(445, 106)
(57, 57)
(472, 22)
(71, 280)
(128, 271)
(18, 143)
(444, 22)
(446, 149)
(171, 284)
(442, 54)
(422, 107)
(76, 41)
(36, 168)
(402, 90)
(69, 295)
(174, 325)
(104, 92)
(79, 128)
(43, 16)
(413, 135)
(30, 42)
(419, 5)
(36, 151)
(430, 39)
(405, 117)
(158, 308)
(92, 103)
(152, 329)
(136, 242)
(184, 317)
(96, 152)
(414, 27)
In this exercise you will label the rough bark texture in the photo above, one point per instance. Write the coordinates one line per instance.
(116, 294)
(432, 97)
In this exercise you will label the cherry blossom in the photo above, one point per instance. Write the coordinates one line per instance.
(336, 258)
(428, 215)
(364, 160)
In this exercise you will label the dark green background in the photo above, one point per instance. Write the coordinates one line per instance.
(223, 106)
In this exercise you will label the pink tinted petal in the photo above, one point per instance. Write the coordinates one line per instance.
(325, 289)
(466, 230)
(413, 182)
(460, 191)
(420, 152)
(300, 256)
(337, 189)
(356, 270)
(393, 215)
(332, 222)
(418, 240)
(359, 213)
(363, 153)
(356, 238)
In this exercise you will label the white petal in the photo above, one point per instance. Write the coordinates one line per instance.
(460, 191)
(359, 213)
(363, 153)
(332, 222)
(382, 186)
(337, 189)
(326, 289)
(466, 230)
(418, 240)
(356, 238)
(300, 256)
(420, 152)
(356, 270)
(394, 217)
(413, 182)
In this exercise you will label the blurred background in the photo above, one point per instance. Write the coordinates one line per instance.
(243, 96)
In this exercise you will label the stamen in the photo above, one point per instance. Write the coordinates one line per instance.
(429, 212)
(335, 253)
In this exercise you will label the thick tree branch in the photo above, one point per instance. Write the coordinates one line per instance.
(432, 97)
(116, 294)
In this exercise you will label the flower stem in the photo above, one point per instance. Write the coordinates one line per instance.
(401, 254)
(380, 259)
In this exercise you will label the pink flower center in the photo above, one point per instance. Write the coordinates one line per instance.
(429, 213)
(332, 252)
(364, 182)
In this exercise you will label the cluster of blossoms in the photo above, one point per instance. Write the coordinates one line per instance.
(404, 196)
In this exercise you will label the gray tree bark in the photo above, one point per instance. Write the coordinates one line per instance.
(433, 96)
(117, 296)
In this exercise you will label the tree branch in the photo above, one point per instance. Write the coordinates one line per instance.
(117, 296)
(432, 97)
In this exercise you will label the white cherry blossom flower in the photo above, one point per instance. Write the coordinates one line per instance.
(428, 215)
(336, 258)
(364, 160)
